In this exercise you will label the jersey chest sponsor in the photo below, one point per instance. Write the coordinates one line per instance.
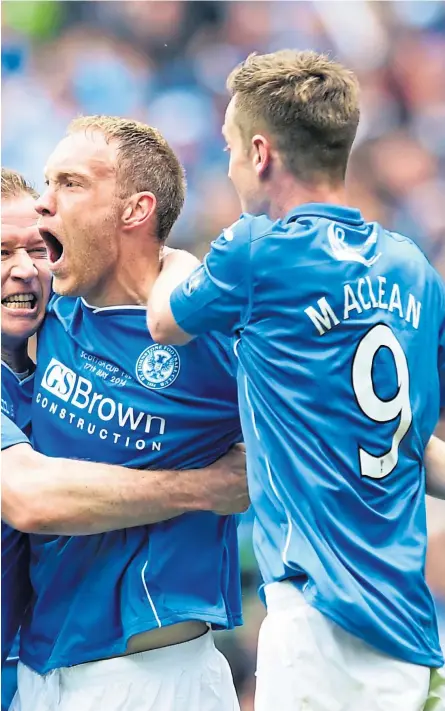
(66, 394)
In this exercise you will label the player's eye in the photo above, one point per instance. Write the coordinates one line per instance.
(40, 252)
(5, 253)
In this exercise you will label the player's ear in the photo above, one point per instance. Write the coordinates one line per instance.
(261, 151)
(139, 209)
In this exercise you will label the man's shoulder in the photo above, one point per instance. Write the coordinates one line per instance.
(255, 226)
(249, 227)
(13, 388)
(10, 391)
(213, 347)
(413, 255)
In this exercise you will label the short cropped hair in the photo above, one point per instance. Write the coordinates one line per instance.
(145, 162)
(308, 103)
(14, 185)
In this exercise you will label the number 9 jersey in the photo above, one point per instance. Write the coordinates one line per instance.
(339, 330)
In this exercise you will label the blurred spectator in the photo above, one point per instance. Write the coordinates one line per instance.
(166, 63)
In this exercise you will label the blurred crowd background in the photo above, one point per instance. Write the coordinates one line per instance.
(165, 63)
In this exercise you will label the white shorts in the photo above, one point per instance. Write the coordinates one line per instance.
(193, 676)
(308, 663)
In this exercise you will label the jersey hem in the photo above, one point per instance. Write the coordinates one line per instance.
(433, 661)
(216, 621)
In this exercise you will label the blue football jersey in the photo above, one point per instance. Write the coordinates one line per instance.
(16, 588)
(17, 397)
(11, 434)
(15, 560)
(105, 391)
(340, 329)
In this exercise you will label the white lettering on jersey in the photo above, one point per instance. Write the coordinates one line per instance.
(324, 319)
(362, 296)
(69, 386)
(413, 311)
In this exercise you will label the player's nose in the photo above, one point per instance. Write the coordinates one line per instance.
(23, 267)
(46, 204)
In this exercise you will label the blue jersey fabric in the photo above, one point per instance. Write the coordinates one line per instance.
(340, 329)
(15, 562)
(16, 398)
(104, 391)
(16, 589)
(11, 434)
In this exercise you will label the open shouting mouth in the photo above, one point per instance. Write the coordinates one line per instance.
(54, 246)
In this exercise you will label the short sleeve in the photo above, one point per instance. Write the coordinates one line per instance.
(11, 434)
(216, 296)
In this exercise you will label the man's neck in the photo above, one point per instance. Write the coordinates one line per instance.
(130, 283)
(291, 194)
(17, 357)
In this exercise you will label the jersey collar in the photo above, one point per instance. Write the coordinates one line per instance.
(338, 213)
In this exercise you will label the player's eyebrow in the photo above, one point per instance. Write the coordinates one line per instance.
(59, 176)
(33, 241)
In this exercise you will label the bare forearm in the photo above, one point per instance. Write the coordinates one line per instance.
(177, 266)
(68, 497)
(435, 468)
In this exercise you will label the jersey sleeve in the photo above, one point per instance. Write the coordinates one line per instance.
(216, 296)
(11, 434)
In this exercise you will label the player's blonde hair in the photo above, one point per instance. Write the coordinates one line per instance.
(14, 185)
(145, 162)
(307, 103)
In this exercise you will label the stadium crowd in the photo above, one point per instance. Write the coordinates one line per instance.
(165, 63)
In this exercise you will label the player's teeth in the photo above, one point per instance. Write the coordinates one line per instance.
(18, 297)
(19, 301)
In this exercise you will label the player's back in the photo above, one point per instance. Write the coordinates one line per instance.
(340, 392)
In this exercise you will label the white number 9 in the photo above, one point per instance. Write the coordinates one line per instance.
(373, 407)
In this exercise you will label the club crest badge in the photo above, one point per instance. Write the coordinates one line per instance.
(158, 366)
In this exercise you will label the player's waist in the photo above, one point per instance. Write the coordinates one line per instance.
(165, 636)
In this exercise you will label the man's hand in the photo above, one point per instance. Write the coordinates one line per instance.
(176, 265)
(231, 496)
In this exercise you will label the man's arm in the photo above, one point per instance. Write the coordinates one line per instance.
(213, 297)
(177, 266)
(68, 497)
(435, 468)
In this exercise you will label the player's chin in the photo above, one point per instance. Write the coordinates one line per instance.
(19, 328)
(66, 285)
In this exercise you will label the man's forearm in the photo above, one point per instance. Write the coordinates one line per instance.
(177, 266)
(435, 468)
(68, 497)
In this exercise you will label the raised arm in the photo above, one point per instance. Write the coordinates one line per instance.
(435, 468)
(177, 265)
(68, 497)
(215, 296)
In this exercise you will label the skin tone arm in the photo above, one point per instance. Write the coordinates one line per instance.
(177, 266)
(435, 468)
(68, 497)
